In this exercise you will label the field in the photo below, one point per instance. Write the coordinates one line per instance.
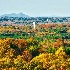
(47, 47)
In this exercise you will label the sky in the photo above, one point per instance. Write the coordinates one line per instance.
(36, 8)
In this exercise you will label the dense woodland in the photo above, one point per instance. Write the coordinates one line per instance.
(20, 20)
(45, 48)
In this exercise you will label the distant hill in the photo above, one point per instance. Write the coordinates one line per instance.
(15, 15)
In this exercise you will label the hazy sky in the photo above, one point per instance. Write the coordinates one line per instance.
(36, 7)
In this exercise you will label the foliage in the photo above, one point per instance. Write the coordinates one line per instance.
(46, 48)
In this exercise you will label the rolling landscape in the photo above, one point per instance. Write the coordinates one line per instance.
(34, 35)
(45, 47)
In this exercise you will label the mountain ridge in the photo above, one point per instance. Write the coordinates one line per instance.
(15, 15)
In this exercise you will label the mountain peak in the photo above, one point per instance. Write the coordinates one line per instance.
(15, 15)
(20, 13)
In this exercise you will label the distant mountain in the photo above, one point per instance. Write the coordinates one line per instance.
(15, 15)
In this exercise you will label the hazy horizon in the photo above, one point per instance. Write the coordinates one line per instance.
(36, 8)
